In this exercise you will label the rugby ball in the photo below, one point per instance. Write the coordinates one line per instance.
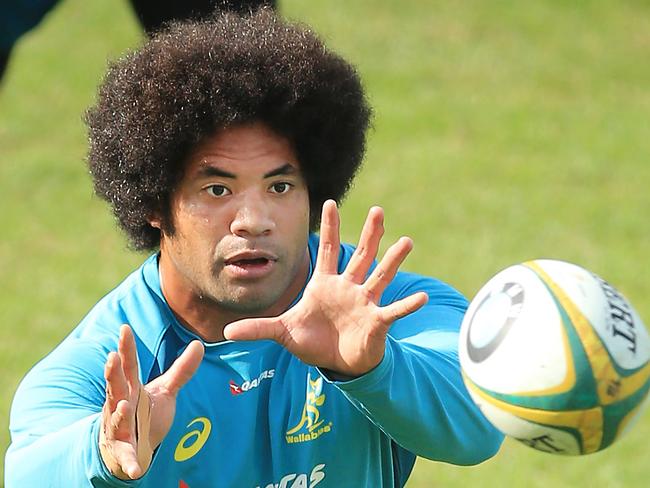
(555, 357)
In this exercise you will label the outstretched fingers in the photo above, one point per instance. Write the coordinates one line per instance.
(402, 308)
(118, 440)
(256, 329)
(118, 409)
(126, 349)
(119, 434)
(182, 370)
(123, 461)
(328, 247)
(387, 268)
(116, 386)
(366, 251)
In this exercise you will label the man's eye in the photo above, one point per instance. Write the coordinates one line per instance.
(281, 187)
(218, 190)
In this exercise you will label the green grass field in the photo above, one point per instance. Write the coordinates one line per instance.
(503, 131)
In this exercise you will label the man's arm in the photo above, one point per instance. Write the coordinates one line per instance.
(55, 419)
(416, 394)
(340, 326)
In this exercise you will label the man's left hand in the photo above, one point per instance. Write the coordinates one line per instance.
(338, 324)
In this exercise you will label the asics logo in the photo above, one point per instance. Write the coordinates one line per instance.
(192, 442)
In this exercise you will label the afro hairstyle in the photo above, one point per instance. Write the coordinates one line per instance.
(159, 102)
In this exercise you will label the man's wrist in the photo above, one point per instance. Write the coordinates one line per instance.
(335, 376)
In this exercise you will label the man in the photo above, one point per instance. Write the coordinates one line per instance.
(256, 353)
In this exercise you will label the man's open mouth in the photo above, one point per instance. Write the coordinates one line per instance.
(250, 259)
(248, 262)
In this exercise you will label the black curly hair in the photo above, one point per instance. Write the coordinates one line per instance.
(157, 103)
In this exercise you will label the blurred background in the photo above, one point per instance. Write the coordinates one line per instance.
(503, 131)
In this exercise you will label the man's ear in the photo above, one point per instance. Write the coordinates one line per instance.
(155, 221)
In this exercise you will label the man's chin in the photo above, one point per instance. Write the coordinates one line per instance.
(251, 304)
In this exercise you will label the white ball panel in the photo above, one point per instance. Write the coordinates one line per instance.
(612, 316)
(526, 357)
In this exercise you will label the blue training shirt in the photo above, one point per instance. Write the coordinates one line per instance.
(254, 415)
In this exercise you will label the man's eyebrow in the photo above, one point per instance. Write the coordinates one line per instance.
(207, 170)
(285, 169)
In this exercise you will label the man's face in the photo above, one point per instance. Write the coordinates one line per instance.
(241, 224)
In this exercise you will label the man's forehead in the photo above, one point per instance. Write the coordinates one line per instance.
(235, 134)
(243, 147)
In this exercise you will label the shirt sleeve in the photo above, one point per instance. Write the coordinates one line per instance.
(416, 395)
(55, 421)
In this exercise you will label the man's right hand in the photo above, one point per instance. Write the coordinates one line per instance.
(136, 418)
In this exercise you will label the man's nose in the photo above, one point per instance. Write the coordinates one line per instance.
(252, 218)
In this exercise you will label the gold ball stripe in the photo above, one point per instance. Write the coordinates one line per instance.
(588, 422)
(597, 354)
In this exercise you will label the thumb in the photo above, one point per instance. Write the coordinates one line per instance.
(255, 329)
(184, 367)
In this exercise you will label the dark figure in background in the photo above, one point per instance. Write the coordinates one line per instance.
(17, 17)
(153, 14)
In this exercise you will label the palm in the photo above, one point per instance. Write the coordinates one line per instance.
(136, 418)
(338, 324)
